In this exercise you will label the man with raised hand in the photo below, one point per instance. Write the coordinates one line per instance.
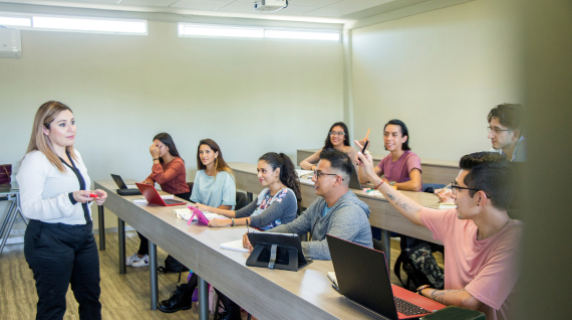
(481, 241)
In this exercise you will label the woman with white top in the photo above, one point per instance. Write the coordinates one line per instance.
(54, 188)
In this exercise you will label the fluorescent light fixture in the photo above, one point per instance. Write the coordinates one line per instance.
(91, 25)
(219, 31)
(305, 35)
(13, 21)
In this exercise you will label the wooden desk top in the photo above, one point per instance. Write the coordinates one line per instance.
(424, 161)
(267, 294)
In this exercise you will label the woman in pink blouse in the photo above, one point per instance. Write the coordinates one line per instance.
(169, 172)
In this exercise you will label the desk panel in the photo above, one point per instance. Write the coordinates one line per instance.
(266, 294)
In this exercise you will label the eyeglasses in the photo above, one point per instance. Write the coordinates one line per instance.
(317, 174)
(496, 130)
(338, 133)
(454, 187)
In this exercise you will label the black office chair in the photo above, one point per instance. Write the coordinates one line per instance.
(190, 184)
(431, 187)
(241, 200)
(379, 245)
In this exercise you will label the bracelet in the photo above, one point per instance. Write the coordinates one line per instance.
(233, 224)
(156, 159)
(421, 288)
(382, 181)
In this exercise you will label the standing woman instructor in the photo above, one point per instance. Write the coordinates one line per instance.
(59, 245)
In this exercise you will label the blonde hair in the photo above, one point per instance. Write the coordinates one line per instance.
(39, 141)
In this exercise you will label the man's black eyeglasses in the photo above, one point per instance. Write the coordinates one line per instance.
(455, 187)
(318, 174)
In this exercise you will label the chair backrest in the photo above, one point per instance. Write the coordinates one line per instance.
(378, 245)
(190, 184)
(241, 200)
(431, 187)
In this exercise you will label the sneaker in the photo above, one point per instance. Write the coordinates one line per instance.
(180, 300)
(143, 262)
(129, 261)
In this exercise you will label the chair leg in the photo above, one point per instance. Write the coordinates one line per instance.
(216, 308)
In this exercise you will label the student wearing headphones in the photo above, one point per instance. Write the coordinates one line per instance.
(338, 138)
(402, 167)
(482, 242)
(169, 172)
(215, 187)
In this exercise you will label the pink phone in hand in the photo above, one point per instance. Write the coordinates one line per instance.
(200, 216)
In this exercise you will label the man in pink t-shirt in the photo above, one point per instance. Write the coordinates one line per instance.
(481, 241)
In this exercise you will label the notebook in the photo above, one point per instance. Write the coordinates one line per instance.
(361, 274)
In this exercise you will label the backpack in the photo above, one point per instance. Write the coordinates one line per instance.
(172, 265)
(419, 265)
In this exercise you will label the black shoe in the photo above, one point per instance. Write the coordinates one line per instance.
(180, 299)
(233, 313)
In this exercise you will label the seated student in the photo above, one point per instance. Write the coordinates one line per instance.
(401, 167)
(214, 186)
(337, 210)
(481, 241)
(338, 138)
(505, 131)
(169, 172)
(276, 204)
(506, 136)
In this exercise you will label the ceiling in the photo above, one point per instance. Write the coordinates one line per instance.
(338, 11)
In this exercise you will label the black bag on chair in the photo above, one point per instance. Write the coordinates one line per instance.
(173, 265)
(420, 266)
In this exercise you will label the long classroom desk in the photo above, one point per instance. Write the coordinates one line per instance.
(434, 171)
(383, 215)
(266, 294)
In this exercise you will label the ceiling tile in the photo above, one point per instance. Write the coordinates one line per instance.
(248, 7)
(312, 3)
(154, 3)
(342, 8)
(201, 4)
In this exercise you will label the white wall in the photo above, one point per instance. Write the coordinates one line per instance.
(440, 72)
(251, 96)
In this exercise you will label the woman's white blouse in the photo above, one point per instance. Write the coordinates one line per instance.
(44, 190)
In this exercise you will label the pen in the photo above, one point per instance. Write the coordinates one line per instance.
(366, 141)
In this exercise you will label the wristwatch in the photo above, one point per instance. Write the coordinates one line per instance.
(392, 183)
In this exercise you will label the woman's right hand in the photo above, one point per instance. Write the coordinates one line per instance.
(246, 243)
(146, 181)
(365, 161)
(361, 143)
(82, 196)
(445, 195)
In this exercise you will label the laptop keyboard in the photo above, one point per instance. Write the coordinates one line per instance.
(407, 308)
